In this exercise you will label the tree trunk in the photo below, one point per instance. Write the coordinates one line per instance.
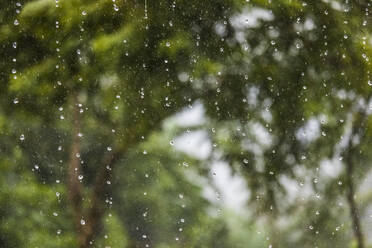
(88, 222)
(74, 171)
(357, 228)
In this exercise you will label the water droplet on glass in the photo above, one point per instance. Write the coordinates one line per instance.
(82, 222)
(22, 137)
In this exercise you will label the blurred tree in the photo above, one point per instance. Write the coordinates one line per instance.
(85, 84)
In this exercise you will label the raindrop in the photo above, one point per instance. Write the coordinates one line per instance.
(82, 222)
(84, 13)
(22, 137)
(109, 148)
(15, 101)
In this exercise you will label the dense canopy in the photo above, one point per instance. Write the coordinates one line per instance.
(224, 123)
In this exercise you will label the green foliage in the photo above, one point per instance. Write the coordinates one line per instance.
(115, 73)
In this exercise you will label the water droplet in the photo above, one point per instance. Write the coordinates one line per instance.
(171, 143)
(82, 222)
(22, 137)
(16, 22)
(84, 13)
(15, 101)
(109, 148)
(80, 177)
